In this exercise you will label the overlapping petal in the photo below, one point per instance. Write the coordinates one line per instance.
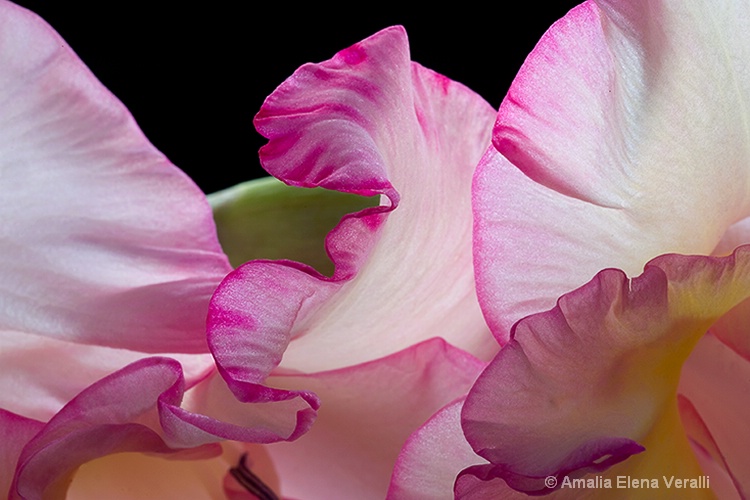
(140, 408)
(367, 413)
(108, 253)
(103, 241)
(623, 137)
(715, 381)
(105, 246)
(124, 412)
(368, 122)
(433, 456)
(41, 374)
(594, 381)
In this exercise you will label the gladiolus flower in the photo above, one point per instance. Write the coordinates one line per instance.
(623, 137)
(108, 259)
(392, 335)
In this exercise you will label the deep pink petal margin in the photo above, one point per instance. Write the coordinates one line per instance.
(363, 122)
(136, 409)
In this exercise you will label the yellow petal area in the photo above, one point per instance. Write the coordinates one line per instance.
(665, 470)
(131, 476)
(700, 291)
(706, 288)
(600, 370)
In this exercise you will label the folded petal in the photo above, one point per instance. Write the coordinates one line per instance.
(736, 235)
(103, 241)
(625, 115)
(732, 330)
(368, 412)
(278, 414)
(117, 414)
(367, 122)
(594, 381)
(432, 458)
(136, 409)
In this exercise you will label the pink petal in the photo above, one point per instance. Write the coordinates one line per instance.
(15, 432)
(117, 414)
(706, 450)
(137, 409)
(432, 458)
(211, 406)
(716, 381)
(736, 235)
(732, 330)
(105, 242)
(579, 387)
(623, 137)
(31, 383)
(368, 122)
(368, 412)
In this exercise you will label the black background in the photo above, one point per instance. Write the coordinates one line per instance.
(194, 78)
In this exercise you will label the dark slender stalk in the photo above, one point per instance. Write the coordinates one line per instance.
(251, 482)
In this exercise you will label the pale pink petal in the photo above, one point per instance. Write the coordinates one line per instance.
(368, 122)
(213, 407)
(103, 241)
(432, 458)
(711, 459)
(136, 409)
(623, 137)
(41, 374)
(367, 414)
(736, 235)
(733, 331)
(716, 381)
(117, 414)
(592, 382)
